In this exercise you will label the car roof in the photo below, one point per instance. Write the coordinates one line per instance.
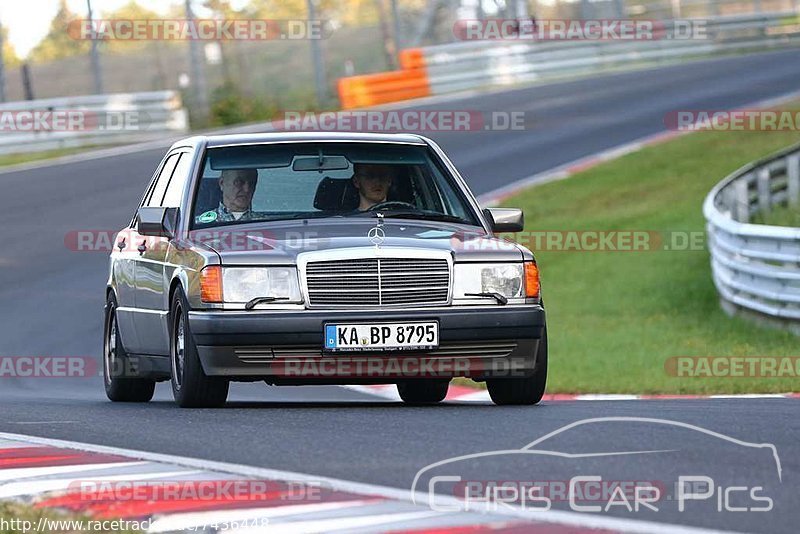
(296, 137)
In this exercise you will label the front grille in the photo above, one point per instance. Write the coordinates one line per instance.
(378, 282)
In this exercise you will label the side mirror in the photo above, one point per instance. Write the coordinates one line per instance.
(505, 219)
(157, 222)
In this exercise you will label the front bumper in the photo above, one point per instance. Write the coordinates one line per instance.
(286, 346)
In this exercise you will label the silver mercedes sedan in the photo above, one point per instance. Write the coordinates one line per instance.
(310, 258)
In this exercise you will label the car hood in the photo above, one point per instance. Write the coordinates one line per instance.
(281, 242)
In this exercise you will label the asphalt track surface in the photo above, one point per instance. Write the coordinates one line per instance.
(52, 301)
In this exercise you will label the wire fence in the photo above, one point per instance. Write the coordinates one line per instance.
(255, 80)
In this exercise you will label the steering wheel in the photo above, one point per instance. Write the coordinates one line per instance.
(392, 204)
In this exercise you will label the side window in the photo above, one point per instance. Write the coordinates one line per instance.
(172, 198)
(161, 182)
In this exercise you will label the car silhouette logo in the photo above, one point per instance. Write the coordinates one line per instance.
(376, 235)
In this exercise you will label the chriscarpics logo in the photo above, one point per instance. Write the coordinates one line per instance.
(631, 466)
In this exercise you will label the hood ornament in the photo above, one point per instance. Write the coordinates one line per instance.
(377, 235)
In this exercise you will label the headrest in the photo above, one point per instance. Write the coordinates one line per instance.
(336, 195)
(209, 195)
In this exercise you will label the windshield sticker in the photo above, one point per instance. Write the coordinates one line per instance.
(207, 217)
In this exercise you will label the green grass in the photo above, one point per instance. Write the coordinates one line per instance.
(11, 511)
(614, 318)
(780, 216)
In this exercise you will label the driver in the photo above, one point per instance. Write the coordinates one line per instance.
(372, 182)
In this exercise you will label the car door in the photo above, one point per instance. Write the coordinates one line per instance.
(124, 258)
(123, 261)
(152, 274)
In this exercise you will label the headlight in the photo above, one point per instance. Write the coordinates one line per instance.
(242, 284)
(503, 278)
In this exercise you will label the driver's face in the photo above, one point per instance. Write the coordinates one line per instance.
(373, 183)
(237, 188)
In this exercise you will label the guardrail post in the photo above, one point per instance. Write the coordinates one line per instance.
(97, 73)
(320, 76)
(764, 193)
(742, 208)
(27, 85)
(793, 179)
(197, 63)
(2, 69)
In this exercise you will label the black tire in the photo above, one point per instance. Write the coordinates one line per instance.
(522, 391)
(423, 391)
(120, 388)
(191, 388)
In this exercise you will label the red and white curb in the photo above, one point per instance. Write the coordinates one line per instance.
(54, 474)
(458, 393)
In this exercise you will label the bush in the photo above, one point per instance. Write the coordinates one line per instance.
(229, 106)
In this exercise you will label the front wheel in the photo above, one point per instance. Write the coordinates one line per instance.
(423, 391)
(191, 387)
(117, 364)
(526, 390)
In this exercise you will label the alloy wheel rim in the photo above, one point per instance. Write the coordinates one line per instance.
(111, 346)
(179, 350)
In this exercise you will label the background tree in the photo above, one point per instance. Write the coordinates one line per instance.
(10, 57)
(58, 44)
(130, 11)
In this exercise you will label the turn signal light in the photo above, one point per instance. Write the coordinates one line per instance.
(211, 284)
(532, 286)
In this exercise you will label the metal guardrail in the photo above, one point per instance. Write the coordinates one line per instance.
(98, 120)
(474, 64)
(756, 267)
(478, 64)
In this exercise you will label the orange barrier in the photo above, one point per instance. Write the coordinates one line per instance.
(411, 81)
(412, 58)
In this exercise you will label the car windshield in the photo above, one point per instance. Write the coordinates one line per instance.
(249, 183)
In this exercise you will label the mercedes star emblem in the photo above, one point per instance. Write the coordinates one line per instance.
(376, 235)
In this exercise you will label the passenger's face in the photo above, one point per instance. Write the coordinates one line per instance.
(237, 190)
(373, 183)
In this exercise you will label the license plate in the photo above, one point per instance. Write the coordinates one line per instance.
(382, 336)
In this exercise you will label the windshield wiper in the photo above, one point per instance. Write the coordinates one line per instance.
(425, 216)
(260, 300)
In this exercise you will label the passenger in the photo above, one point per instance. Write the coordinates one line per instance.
(237, 187)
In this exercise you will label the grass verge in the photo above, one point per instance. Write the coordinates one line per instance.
(616, 318)
(14, 159)
(780, 216)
